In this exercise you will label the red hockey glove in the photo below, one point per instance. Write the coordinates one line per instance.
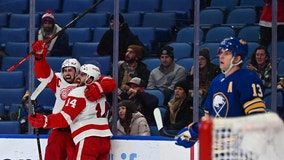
(40, 49)
(93, 91)
(38, 121)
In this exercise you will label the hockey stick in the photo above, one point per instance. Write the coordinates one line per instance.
(159, 122)
(34, 95)
(56, 34)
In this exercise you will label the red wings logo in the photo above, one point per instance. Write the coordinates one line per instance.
(65, 91)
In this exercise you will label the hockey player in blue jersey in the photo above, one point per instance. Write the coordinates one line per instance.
(234, 92)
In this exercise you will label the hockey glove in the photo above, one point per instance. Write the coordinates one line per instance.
(93, 91)
(187, 136)
(38, 121)
(40, 49)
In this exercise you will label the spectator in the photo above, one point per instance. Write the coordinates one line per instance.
(207, 71)
(126, 38)
(261, 64)
(132, 67)
(145, 102)
(280, 84)
(265, 22)
(131, 122)
(167, 74)
(179, 111)
(59, 46)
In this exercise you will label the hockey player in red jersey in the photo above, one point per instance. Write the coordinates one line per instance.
(60, 144)
(87, 120)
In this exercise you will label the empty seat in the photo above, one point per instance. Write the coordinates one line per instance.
(13, 35)
(22, 21)
(76, 6)
(13, 79)
(98, 33)
(280, 49)
(181, 50)
(41, 6)
(103, 62)
(93, 20)
(251, 47)
(18, 6)
(55, 62)
(151, 63)
(280, 68)
(254, 3)
(10, 96)
(85, 49)
(211, 17)
(7, 62)
(146, 35)
(78, 35)
(159, 94)
(267, 98)
(10, 127)
(108, 6)
(217, 34)
(159, 19)
(46, 98)
(224, 5)
(17, 49)
(187, 35)
(132, 19)
(249, 33)
(143, 6)
(187, 63)
(240, 17)
(62, 19)
(2, 109)
(3, 19)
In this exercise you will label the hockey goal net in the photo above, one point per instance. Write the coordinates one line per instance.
(253, 137)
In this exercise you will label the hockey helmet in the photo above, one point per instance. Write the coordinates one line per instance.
(237, 45)
(71, 62)
(91, 71)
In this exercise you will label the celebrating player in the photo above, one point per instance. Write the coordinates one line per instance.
(87, 120)
(235, 92)
(60, 144)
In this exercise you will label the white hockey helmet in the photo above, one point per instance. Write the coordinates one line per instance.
(71, 62)
(91, 71)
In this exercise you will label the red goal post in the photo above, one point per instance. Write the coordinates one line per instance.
(252, 137)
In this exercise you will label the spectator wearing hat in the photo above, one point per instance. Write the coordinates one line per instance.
(180, 109)
(167, 74)
(59, 46)
(145, 102)
(131, 122)
(126, 38)
(132, 67)
(207, 71)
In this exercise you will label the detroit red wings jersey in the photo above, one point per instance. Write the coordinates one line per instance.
(84, 117)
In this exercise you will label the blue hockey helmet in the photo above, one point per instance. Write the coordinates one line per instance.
(237, 45)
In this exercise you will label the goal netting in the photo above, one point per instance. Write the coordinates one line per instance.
(253, 137)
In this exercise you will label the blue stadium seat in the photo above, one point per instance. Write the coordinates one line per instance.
(55, 62)
(251, 47)
(159, 19)
(280, 68)
(159, 94)
(187, 35)
(217, 34)
(132, 19)
(211, 17)
(181, 50)
(98, 33)
(13, 79)
(62, 19)
(108, 6)
(267, 98)
(76, 6)
(18, 6)
(215, 61)
(3, 19)
(41, 6)
(2, 109)
(240, 17)
(103, 62)
(187, 63)
(85, 49)
(10, 96)
(93, 20)
(146, 35)
(7, 62)
(17, 49)
(79, 35)
(13, 35)
(154, 130)
(10, 127)
(14, 108)
(249, 33)
(224, 5)
(254, 3)
(212, 46)
(139, 6)
(22, 21)
(46, 98)
(151, 63)
(280, 49)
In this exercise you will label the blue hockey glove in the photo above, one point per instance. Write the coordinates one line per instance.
(187, 136)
